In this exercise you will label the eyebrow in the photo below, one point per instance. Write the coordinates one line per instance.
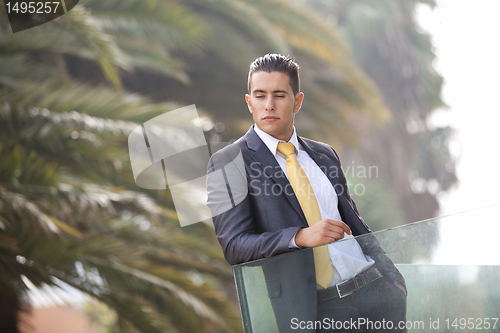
(274, 92)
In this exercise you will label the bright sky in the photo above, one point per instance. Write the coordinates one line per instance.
(466, 35)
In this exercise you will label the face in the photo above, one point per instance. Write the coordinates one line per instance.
(272, 103)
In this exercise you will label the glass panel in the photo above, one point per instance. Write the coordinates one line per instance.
(451, 266)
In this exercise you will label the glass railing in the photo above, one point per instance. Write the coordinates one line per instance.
(451, 266)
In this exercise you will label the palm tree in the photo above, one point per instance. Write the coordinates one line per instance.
(240, 31)
(70, 214)
(414, 159)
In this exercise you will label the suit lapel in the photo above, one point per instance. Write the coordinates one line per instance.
(265, 160)
(330, 168)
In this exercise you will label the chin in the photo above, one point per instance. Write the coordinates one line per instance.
(270, 130)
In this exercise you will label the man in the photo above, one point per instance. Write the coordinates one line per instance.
(296, 197)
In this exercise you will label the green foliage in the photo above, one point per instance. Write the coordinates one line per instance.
(375, 202)
(101, 316)
(240, 31)
(70, 92)
(66, 224)
(398, 55)
(70, 214)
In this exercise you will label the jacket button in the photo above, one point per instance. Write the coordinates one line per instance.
(312, 279)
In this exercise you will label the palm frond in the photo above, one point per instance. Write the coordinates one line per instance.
(60, 95)
(84, 27)
(155, 21)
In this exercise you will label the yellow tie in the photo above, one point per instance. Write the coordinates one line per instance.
(307, 200)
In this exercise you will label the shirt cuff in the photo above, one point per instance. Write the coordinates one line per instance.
(292, 244)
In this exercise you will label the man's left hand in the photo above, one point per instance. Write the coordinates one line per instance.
(400, 286)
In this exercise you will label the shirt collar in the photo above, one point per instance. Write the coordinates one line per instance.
(272, 143)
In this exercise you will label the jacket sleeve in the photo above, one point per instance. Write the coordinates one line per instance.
(234, 215)
(235, 230)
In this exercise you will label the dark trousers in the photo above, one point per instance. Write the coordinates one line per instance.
(378, 307)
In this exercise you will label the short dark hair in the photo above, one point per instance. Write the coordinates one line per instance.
(273, 62)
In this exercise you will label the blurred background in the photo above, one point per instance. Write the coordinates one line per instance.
(403, 90)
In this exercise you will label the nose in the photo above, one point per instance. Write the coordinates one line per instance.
(270, 104)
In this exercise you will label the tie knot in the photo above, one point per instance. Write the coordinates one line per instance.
(286, 148)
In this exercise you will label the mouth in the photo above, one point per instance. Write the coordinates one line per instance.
(270, 118)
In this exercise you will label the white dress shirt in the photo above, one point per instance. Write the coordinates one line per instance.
(346, 257)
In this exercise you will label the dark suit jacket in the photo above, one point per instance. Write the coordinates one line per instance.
(262, 223)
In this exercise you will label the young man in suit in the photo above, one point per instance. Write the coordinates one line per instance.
(300, 201)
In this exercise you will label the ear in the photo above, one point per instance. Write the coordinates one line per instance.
(299, 98)
(249, 104)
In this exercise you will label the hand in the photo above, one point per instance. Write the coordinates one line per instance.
(324, 232)
(400, 286)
